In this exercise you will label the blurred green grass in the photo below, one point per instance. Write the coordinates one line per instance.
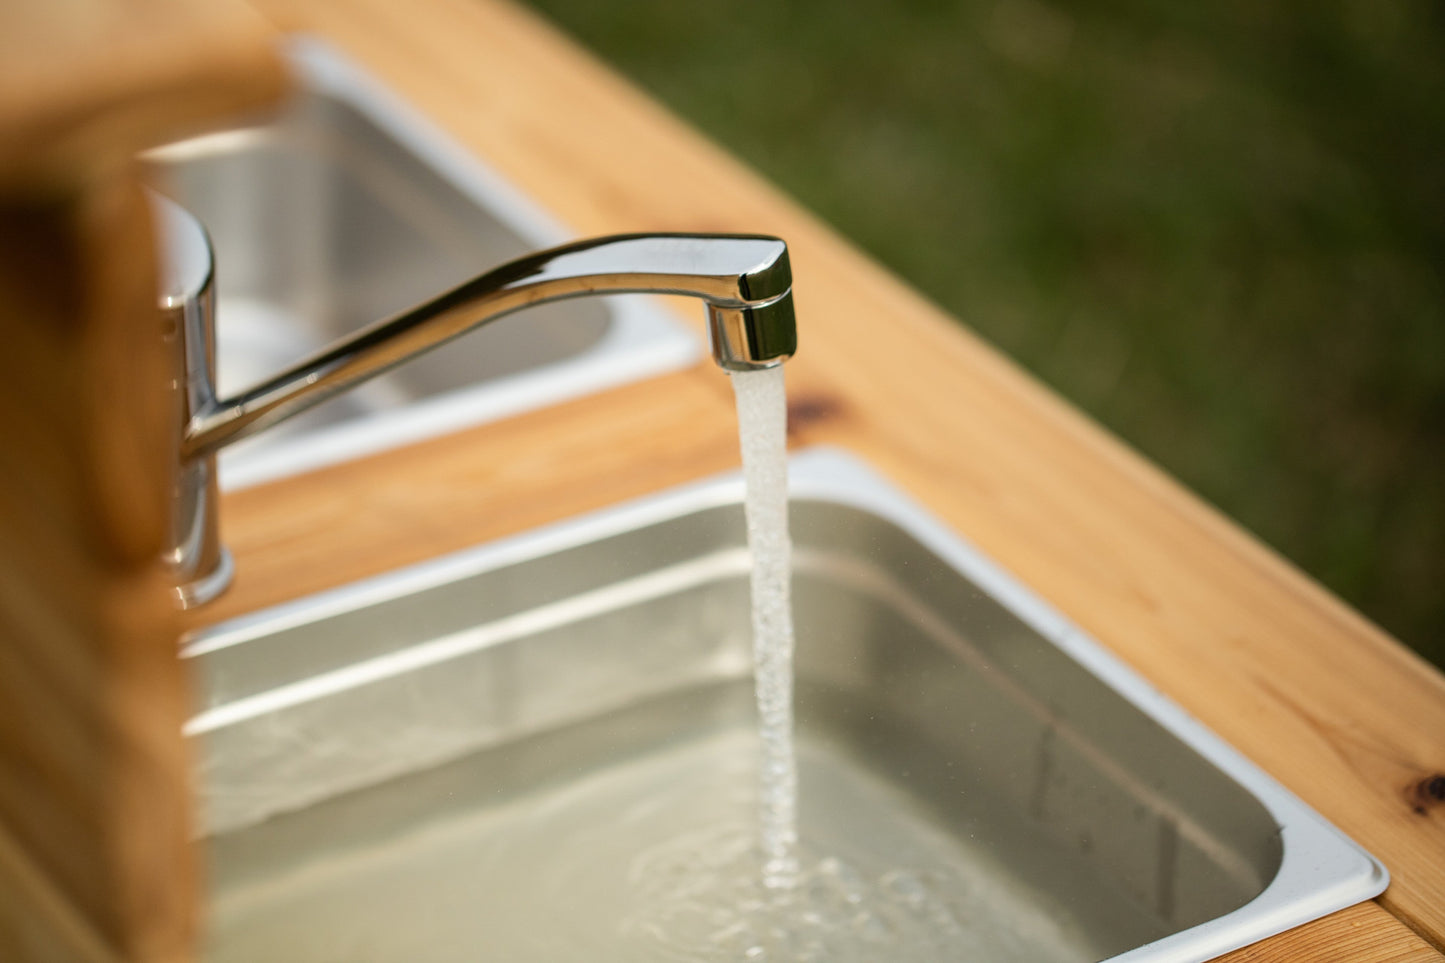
(1219, 228)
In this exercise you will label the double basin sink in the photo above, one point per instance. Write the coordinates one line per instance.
(545, 747)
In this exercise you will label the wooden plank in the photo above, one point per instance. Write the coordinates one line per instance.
(1322, 699)
(95, 859)
(1360, 934)
(95, 850)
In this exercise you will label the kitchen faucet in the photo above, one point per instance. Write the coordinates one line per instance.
(745, 281)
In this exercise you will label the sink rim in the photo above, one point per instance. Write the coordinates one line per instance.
(1321, 870)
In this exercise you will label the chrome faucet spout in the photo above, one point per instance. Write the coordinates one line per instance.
(745, 281)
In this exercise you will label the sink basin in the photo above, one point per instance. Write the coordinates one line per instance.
(543, 748)
(347, 207)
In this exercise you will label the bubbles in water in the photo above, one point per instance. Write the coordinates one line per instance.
(701, 897)
(904, 887)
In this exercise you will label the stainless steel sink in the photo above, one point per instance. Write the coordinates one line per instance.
(347, 207)
(542, 749)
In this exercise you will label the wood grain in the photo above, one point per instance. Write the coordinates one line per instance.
(95, 854)
(1326, 702)
(1360, 934)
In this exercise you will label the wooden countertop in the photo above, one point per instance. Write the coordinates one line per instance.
(1326, 702)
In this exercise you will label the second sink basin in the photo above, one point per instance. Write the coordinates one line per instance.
(347, 207)
(545, 749)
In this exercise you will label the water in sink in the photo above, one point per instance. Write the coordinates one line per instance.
(631, 837)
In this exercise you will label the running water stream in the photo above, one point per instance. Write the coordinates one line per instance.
(762, 429)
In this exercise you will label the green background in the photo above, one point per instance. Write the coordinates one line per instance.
(1217, 227)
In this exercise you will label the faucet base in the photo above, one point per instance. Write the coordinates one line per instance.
(201, 590)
